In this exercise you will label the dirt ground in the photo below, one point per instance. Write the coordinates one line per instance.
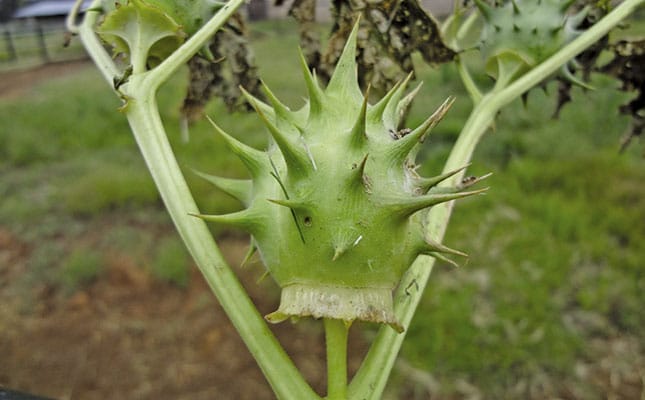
(15, 83)
(128, 336)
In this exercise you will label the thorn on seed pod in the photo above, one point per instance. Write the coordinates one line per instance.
(325, 228)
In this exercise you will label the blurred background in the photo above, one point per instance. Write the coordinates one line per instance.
(99, 299)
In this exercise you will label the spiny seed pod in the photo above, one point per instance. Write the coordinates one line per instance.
(526, 32)
(334, 205)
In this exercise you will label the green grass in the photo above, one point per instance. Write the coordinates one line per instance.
(171, 261)
(82, 266)
(109, 184)
(553, 238)
(559, 234)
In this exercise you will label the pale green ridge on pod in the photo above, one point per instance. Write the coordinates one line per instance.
(334, 206)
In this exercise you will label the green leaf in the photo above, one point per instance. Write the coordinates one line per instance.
(190, 14)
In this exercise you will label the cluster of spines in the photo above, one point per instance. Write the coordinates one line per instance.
(493, 14)
(287, 130)
(547, 22)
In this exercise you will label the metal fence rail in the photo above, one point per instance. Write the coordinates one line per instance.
(32, 42)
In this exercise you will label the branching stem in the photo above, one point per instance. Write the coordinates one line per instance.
(469, 83)
(93, 45)
(143, 115)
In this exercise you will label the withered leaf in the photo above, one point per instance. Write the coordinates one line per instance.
(390, 32)
(233, 65)
(628, 65)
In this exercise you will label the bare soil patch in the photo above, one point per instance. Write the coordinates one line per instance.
(128, 336)
(16, 83)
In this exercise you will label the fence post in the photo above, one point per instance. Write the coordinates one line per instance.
(11, 49)
(41, 43)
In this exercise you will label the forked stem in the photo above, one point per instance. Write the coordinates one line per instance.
(143, 115)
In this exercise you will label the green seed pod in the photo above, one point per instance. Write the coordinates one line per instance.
(334, 206)
(525, 32)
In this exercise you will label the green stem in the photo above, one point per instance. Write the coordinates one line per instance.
(93, 44)
(145, 122)
(494, 101)
(588, 38)
(180, 56)
(467, 80)
(70, 21)
(465, 28)
(336, 340)
(370, 379)
(146, 125)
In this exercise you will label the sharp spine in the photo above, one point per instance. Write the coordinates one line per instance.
(338, 251)
(291, 204)
(358, 179)
(569, 76)
(404, 104)
(576, 19)
(427, 183)
(443, 258)
(375, 113)
(281, 111)
(342, 246)
(245, 220)
(516, 9)
(464, 184)
(390, 113)
(253, 159)
(358, 135)
(435, 118)
(257, 103)
(297, 160)
(262, 277)
(316, 95)
(404, 145)
(238, 188)
(565, 6)
(344, 79)
(430, 246)
(406, 206)
(249, 254)
(484, 8)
